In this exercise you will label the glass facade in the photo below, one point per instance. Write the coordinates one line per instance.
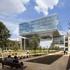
(39, 25)
(58, 40)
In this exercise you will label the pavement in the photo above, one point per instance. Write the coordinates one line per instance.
(59, 64)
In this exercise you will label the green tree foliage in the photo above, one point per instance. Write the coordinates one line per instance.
(55, 48)
(4, 35)
(13, 45)
(34, 42)
(15, 48)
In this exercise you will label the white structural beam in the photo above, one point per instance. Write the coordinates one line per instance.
(24, 42)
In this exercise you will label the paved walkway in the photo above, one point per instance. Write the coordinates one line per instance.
(59, 64)
(60, 52)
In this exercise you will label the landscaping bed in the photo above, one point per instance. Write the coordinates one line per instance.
(46, 60)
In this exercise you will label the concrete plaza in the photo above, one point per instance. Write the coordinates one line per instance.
(60, 64)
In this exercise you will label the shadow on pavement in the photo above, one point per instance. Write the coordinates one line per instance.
(68, 65)
(46, 60)
(9, 68)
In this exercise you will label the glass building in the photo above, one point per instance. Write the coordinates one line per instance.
(45, 27)
(39, 25)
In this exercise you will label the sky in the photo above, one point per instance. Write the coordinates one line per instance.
(14, 12)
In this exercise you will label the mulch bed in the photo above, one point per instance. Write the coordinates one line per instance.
(46, 60)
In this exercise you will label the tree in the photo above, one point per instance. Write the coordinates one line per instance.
(13, 45)
(34, 42)
(4, 35)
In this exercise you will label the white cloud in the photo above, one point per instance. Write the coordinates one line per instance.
(8, 7)
(44, 5)
(13, 28)
(15, 33)
(25, 1)
(8, 11)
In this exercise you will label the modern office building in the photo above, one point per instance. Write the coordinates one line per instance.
(45, 27)
(41, 25)
(67, 41)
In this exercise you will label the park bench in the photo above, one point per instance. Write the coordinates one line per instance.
(12, 64)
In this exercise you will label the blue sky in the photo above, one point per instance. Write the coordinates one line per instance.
(14, 12)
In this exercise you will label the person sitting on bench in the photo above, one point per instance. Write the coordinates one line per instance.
(15, 60)
(12, 62)
(9, 59)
